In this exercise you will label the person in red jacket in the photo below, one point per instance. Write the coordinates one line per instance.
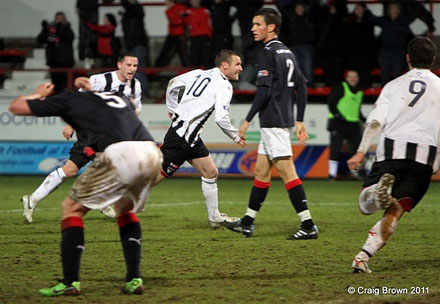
(108, 48)
(175, 42)
(200, 31)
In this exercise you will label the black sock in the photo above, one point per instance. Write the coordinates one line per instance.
(258, 195)
(130, 235)
(298, 199)
(72, 246)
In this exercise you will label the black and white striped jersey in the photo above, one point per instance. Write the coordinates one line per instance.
(99, 82)
(408, 108)
(193, 96)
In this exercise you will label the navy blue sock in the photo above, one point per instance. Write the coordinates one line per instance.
(72, 246)
(258, 195)
(298, 199)
(130, 234)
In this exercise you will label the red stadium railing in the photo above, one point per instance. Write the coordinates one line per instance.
(72, 73)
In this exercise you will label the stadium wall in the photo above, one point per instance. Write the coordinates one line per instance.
(35, 145)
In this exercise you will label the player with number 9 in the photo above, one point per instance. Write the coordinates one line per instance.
(407, 116)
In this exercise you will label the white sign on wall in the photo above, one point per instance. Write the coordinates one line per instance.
(155, 118)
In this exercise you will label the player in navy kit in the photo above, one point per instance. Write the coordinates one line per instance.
(122, 82)
(122, 175)
(278, 77)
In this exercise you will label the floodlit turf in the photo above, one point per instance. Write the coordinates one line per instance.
(184, 261)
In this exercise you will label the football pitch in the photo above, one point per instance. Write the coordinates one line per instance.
(184, 261)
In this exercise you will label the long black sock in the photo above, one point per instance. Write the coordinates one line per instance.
(72, 246)
(258, 195)
(130, 234)
(298, 199)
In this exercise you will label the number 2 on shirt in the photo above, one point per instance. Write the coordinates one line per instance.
(291, 66)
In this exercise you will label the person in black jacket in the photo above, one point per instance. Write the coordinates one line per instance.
(221, 25)
(361, 44)
(302, 38)
(87, 12)
(136, 38)
(58, 38)
(330, 43)
(395, 30)
(245, 12)
(417, 7)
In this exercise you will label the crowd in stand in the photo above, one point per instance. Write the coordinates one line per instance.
(320, 33)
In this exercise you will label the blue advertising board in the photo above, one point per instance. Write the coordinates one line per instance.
(32, 157)
(42, 157)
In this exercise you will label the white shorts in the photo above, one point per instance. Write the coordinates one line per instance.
(275, 142)
(125, 169)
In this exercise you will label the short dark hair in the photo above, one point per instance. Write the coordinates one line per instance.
(224, 55)
(111, 18)
(125, 54)
(270, 16)
(421, 51)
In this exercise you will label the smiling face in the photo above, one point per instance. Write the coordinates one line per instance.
(127, 68)
(352, 78)
(232, 70)
(262, 31)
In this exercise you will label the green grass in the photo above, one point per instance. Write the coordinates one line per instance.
(183, 261)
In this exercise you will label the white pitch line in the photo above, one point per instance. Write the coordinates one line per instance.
(164, 205)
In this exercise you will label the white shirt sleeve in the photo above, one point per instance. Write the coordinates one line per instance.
(137, 95)
(98, 82)
(436, 165)
(173, 89)
(381, 107)
(222, 102)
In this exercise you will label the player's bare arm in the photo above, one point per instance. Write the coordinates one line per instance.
(301, 132)
(371, 131)
(355, 161)
(68, 132)
(83, 83)
(19, 105)
(242, 142)
(242, 130)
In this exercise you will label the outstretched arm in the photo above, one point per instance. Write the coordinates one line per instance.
(371, 131)
(19, 106)
(83, 83)
(68, 132)
(223, 120)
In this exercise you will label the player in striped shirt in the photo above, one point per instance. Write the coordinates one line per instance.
(407, 116)
(191, 99)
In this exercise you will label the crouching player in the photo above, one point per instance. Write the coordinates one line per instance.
(122, 175)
